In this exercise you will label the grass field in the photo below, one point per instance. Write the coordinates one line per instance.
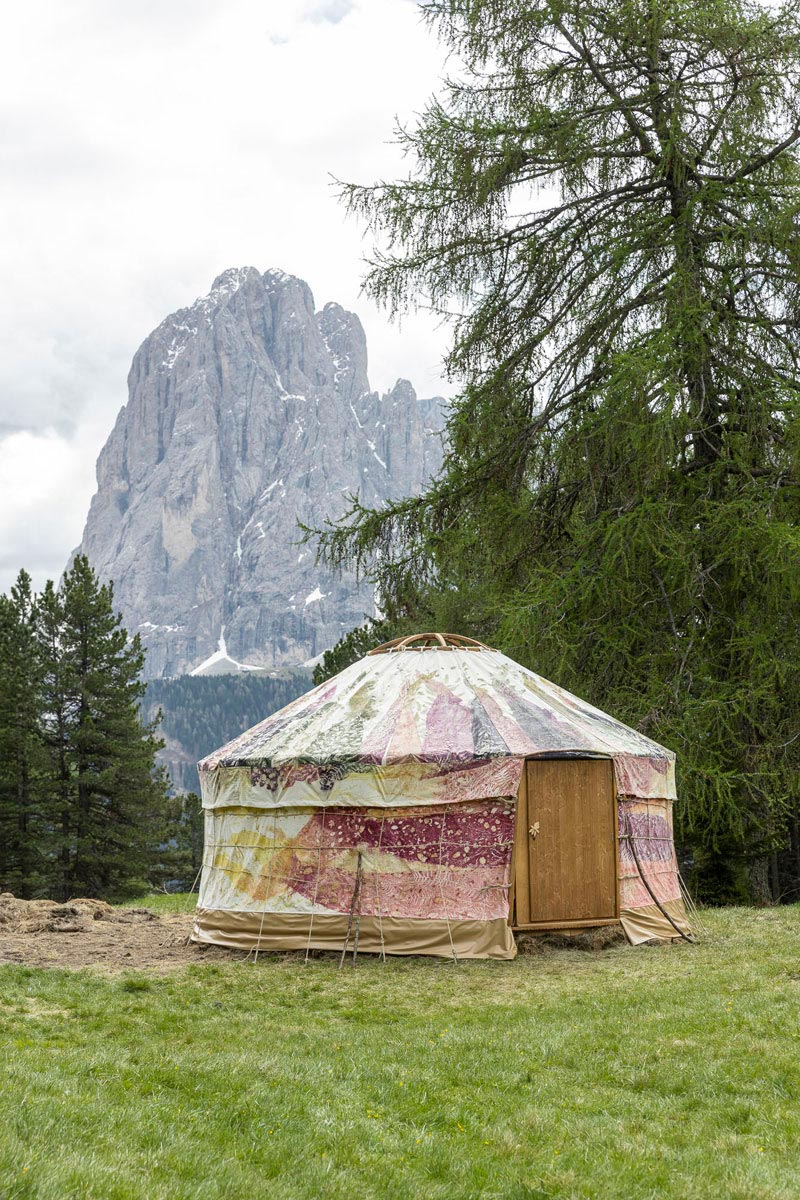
(657, 1072)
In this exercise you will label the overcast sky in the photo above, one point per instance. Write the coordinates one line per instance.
(147, 145)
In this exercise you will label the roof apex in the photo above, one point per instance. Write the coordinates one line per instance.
(429, 641)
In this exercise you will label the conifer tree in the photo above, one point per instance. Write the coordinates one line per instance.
(55, 731)
(108, 798)
(607, 197)
(23, 863)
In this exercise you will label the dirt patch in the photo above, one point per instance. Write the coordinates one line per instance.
(91, 933)
(599, 938)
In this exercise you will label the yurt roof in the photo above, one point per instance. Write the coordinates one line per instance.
(455, 701)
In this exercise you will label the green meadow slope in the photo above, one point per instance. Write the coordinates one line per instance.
(646, 1074)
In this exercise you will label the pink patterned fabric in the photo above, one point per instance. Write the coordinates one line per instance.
(451, 862)
(413, 761)
(650, 824)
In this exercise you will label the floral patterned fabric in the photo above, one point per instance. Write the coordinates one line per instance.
(360, 785)
(649, 823)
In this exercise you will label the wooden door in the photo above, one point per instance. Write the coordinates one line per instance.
(565, 849)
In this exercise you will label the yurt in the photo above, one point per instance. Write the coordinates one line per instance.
(434, 798)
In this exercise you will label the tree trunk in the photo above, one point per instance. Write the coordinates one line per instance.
(759, 872)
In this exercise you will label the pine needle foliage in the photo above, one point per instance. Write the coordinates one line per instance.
(83, 808)
(605, 201)
(117, 797)
(22, 755)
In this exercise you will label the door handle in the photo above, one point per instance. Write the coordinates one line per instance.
(534, 829)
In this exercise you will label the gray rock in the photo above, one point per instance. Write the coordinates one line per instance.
(247, 412)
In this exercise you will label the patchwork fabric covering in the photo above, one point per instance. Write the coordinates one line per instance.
(649, 888)
(384, 800)
(436, 866)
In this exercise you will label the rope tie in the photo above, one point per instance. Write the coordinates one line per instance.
(356, 899)
(269, 881)
(378, 889)
(316, 884)
(441, 890)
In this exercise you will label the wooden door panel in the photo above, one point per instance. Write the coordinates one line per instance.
(571, 862)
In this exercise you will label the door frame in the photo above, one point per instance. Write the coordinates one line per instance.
(520, 856)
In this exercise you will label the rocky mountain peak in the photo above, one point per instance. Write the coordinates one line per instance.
(248, 411)
(231, 280)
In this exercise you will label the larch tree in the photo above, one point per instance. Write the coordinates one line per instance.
(605, 201)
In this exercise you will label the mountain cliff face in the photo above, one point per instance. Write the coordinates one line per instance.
(247, 412)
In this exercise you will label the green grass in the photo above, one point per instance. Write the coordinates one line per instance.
(650, 1073)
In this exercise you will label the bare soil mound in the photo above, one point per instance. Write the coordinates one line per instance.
(91, 933)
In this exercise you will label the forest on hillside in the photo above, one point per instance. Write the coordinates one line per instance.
(201, 713)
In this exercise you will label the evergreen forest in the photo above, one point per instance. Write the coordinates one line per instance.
(201, 713)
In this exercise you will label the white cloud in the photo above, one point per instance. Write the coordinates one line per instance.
(147, 147)
(46, 491)
(333, 11)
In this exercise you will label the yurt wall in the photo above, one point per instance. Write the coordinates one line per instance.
(428, 878)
